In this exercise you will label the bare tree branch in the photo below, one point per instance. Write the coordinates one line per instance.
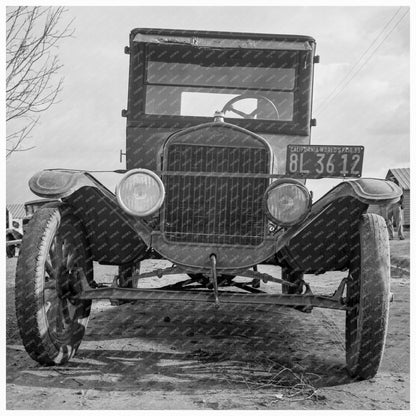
(32, 65)
(17, 137)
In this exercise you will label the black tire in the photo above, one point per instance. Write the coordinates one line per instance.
(10, 250)
(292, 277)
(51, 322)
(368, 292)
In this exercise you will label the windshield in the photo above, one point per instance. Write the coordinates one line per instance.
(255, 84)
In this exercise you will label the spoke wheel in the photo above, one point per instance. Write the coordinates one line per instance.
(51, 320)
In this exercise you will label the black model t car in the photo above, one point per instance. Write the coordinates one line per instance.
(217, 153)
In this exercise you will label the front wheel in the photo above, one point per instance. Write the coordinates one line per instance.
(368, 292)
(51, 320)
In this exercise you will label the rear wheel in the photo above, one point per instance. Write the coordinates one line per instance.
(51, 320)
(124, 279)
(291, 277)
(368, 292)
(125, 275)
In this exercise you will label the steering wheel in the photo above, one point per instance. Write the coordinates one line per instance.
(229, 105)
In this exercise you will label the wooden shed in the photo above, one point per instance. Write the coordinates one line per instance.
(403, 177)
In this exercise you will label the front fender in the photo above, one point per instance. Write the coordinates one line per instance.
(114, 237)
(367, 190)
(323, 241)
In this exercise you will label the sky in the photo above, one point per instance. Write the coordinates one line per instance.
(371, 107)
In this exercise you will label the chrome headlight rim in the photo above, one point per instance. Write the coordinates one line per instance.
(276, 184)
(150, 211)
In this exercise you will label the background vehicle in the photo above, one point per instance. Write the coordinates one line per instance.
(14, 232)
(217, 150)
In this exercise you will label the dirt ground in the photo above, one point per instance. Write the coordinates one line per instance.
(154, 355)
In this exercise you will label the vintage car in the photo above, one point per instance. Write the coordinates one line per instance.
(217, 153)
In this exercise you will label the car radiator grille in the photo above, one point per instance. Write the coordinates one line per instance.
(215, 210)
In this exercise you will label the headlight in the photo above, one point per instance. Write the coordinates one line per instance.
(141, 192)
(287, 202)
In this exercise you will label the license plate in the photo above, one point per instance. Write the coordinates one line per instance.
(316, 161)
